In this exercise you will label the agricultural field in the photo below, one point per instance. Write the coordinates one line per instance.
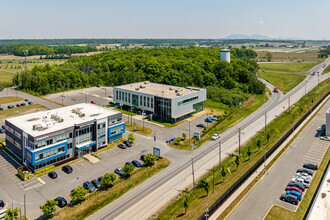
(284, 81)
(289, 55)
(17, 65)
(287, 67)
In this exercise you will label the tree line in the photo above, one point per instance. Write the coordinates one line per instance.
(189, 66)
(36, 49)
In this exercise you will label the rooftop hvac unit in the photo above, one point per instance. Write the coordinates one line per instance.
(163, 91)
(179, 94)
(137, 89)
(37, 127)
(81, 115)
(142, 86)
(146, 82)
(171, 88)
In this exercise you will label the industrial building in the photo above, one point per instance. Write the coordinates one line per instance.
(225, 55)
(164, 102)
(49, 137)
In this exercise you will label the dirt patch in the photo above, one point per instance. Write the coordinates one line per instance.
(249, 101)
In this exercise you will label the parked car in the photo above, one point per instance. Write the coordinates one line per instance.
(2, 130)
(297, 184)
(310, 166)
(23, 104)
(215, 136)
(319, 129)
(129, 163)
(89, 186)
(304, 171)
(2, 203)
(67, 169)
(110, 96)
(119, 172)
(9, 107)
(30, 103)
(209, 120)
(52, 175)
(18, 105)
(127, 143)
(294, 193)
(305, 175)
(3, 126)
(213, 118)
(136, 163)
(302, 181)
(142, 157)
(26, 100)
(122, 146)
(200, 126)
(289, 198)
(93, 102)
(61, 202)
(1, 108)
(96, 184)
(111, 103)
(293, 188)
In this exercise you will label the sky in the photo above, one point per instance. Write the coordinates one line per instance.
(212, 19)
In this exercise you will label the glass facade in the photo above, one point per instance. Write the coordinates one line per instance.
(163, 108)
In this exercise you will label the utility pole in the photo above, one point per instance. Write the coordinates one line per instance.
(189, 132)
(25, 54)
(265, 122)
(193, 174)
(143, 118)
(239, 141)
(219, 155)
(131, 117)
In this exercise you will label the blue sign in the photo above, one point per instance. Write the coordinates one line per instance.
(156, 151)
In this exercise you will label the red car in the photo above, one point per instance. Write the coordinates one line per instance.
(18, 105)
(93, 102)
(294, 189)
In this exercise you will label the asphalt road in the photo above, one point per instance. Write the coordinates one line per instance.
(307, 147)
(144, 200)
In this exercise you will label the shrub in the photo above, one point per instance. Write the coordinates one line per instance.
(44, 169)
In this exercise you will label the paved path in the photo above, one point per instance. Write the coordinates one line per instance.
(306, 148)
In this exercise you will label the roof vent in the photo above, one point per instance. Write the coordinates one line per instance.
(179, 94)
(146, 82)
(137, 88)
(171, 88)
(37, 127)
(142, 86)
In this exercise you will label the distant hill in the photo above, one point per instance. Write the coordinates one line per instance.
(244, 36)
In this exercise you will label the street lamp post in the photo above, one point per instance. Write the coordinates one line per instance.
(143, 118)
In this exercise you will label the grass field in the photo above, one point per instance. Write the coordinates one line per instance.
(9, 113)
(138, 128)
(9, 99)
(277, 128)
(285, 82)
(101, 198)
(309, 56)
(15, 65)
(287, 67)
(6, 76)
(327, 70)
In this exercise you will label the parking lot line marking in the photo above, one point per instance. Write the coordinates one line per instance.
(83, 165)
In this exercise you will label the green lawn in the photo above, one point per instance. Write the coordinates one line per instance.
(8, 113)
(327, 70)
(6, 76)
(287, 67)
(138, 128)
(276, 129)
(285, 82)
(9, 99)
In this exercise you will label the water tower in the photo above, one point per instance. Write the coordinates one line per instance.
(225, 55)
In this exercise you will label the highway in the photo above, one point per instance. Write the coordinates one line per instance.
(147, 198)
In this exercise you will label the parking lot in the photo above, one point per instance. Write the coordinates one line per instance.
(307, 147)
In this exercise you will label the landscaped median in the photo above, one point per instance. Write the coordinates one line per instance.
(101, 198)
(233, 168)
(138, 128)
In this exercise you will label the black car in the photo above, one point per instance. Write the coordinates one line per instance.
(67, 169)
(310, 166)
(23, 104)
(2, 130)
(61, 202)
(96, 184)
(100, 178)
(122, 146)
(136, 163)
(296, 184)
(127, 143)
(89, 186)
(3, 126)
(289, 198)
(30, 103)
(200, 126)
(2, 204)
(52, 175)
(9, 107)
(142, 157)
(1, 108)
(304, 171)
(98, 86)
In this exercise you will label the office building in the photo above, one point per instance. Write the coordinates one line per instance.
(50, 137)
(167, 103)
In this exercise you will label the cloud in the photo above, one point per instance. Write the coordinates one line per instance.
(261, 22)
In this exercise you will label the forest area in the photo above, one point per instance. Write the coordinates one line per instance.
(190, 66)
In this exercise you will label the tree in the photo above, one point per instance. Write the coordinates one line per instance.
(184, 136)
(237, 161)
(185, 205)
(269, 56)
(258, 144)
(223, 172)
(149, 159)
(9, 213)
(131, 137)
(78, 194)
(128, 169)
(204, 184)
(108, 179)
(49, 207)
(268, 137)
(249, 152)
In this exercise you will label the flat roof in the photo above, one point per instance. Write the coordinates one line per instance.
(157, 89)
(60, 118)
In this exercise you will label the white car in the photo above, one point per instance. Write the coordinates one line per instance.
(304, 175)
(302, 181)
(319, 129)
(215, 136)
